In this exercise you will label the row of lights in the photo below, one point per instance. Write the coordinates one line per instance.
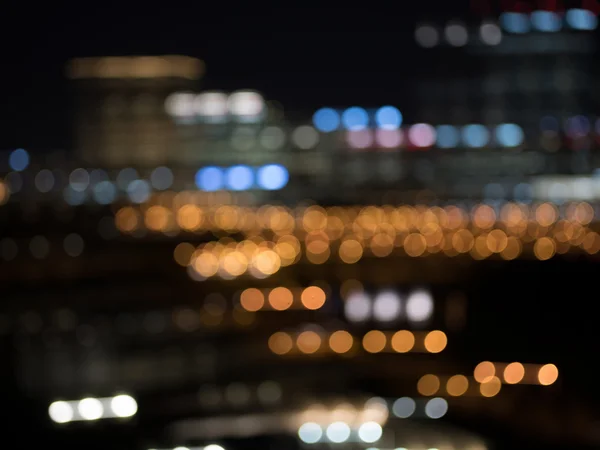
(339, 432)
(217, 107)
(387, 120)
(39, 247)
(457, 386)
(406, 407)
(456, 34)
(176, 212)
(423, 136)
(267, 258)
(270, 177)
(238, 394)
(282, 299)
(388, 306)
(83, 184)
(548, 234)
(548, 21)
(91, 409)
(516, 373)
(387, 134)
(342, 342)
(375, 413)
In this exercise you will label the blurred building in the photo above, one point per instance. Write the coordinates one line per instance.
(120, 117)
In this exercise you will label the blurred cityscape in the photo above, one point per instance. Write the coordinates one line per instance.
(208, 269)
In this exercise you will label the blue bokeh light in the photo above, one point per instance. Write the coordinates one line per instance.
(239, 178)
(18, 160)
(523, 193)
(447, 136)
(582, 19)
(388, 118)
(272, 177)
(74, 197)
(139, 191)
(509, 135)
(475, 135)
(326, 120)
(210, 179)
(546, 21)
(105, 192)
(355, 118)
(514, 22)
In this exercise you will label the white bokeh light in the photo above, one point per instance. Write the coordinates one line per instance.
(358, 307)
(387, 306)
(456, 34)
(213, 447)
(246, 106)
(90, 409)
(60, 412)
(180, 104)
(436, 408)
(370, 432)
(375, 410)
(123, 406)
(419, 306)
(310, 433)
(427, 36)
(490, 34)
(305, 137)
(212, 106)
(338, 432)
(404, 407)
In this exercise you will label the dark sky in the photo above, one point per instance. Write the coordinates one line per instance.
(303, 57)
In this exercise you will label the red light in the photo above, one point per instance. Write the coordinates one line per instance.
(522, 7)
(508, 5)
(591, 5)
(481, 7)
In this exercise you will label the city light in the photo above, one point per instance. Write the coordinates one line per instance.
(427, 36)
(212, 107)
(355, 119)
(581, 19)
(447, 136)
(210, 179)
(388, 118)
(436, 408)
(246, 106)
(546, 21)
(18, 160)
(475, 135)
(310, 433)
(272, 177)
(92, 409)
(326, 120)
(239, 178)
(515, 22)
